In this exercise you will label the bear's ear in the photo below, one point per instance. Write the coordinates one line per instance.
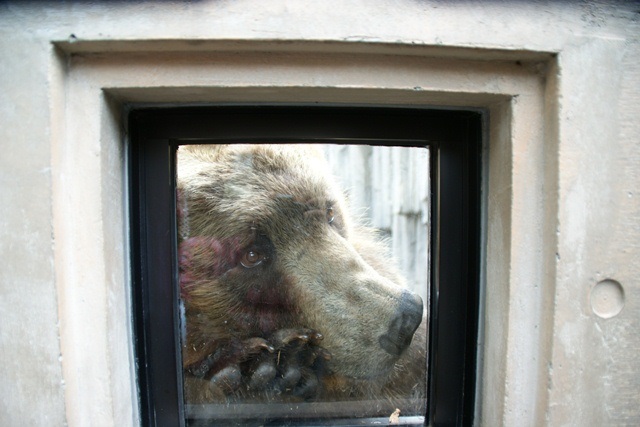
(207, 153)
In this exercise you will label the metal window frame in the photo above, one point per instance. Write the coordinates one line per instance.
(454, 138)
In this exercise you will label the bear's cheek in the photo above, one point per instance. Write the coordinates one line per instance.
(267, 321)
(203, 258)
(261, 318)
(267, 305)
(271, 297)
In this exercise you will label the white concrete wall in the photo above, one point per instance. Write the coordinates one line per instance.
(561, 81)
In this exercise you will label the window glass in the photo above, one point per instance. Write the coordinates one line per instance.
(303, 275)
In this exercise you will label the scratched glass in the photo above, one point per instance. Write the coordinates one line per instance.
(303, 274)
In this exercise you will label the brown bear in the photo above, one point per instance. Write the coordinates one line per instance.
(284, 296)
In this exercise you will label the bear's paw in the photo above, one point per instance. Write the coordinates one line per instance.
(286, 364)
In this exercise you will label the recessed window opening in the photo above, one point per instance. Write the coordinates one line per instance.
(296, 266)
(293, 307)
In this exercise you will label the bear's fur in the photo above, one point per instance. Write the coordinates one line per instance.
(284, 295)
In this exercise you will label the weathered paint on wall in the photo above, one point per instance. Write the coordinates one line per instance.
(580, 369)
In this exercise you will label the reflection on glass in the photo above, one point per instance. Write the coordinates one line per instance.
(292, 308)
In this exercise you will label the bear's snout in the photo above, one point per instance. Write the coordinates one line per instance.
(404, 323)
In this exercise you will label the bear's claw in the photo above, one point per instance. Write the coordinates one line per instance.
(234, 352)
(284, 337)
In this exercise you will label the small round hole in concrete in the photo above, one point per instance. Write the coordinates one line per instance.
(607, 298)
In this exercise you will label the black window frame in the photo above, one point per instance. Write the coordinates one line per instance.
(454, 138)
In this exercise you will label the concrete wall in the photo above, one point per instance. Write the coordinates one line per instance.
(560, 81)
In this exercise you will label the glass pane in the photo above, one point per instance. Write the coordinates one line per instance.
(303, 271)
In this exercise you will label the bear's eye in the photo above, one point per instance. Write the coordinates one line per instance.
(330, 215)
(251, 258)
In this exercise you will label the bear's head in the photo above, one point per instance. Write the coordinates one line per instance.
(267, 243)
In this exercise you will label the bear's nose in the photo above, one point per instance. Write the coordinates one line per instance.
(404, 323)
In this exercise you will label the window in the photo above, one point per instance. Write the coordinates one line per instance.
(170, 171)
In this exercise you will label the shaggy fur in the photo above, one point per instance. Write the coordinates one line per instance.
(284, 295)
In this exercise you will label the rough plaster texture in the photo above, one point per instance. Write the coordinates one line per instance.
(559, 79)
